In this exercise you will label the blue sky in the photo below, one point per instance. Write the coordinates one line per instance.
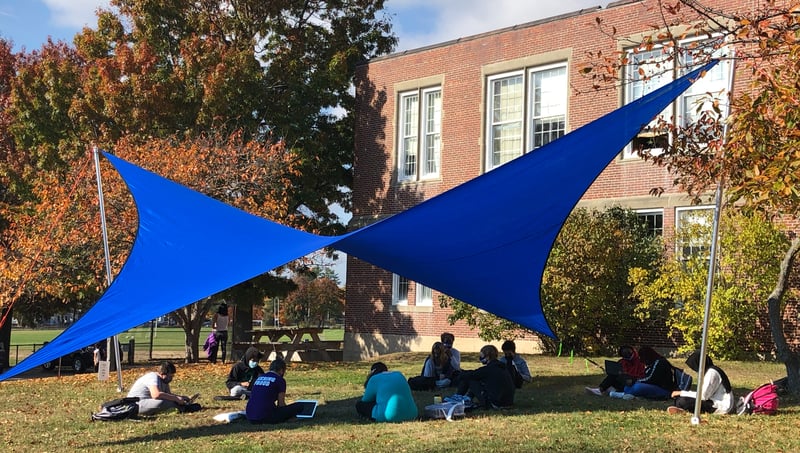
(418, 23)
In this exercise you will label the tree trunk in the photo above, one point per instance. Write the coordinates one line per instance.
(790, 359)
(191, 319)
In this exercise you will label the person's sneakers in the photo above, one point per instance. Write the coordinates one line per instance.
(620, 395)
(675, 410)
(594, 391)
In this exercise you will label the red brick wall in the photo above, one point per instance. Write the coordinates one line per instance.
(462, 67)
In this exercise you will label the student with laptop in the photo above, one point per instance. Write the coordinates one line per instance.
(387, 396)
(267, 403)
(155, 395)
(621, 373)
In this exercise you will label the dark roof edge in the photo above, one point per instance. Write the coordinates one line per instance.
(501, 30)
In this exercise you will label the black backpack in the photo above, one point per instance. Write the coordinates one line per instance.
(118, 409)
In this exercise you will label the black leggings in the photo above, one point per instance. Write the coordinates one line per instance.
(364, 408)
(687, 403)
(222, 343)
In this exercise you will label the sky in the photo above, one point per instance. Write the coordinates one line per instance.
(417, 23)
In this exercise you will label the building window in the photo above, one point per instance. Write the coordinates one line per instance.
(511, 119)
(399, 290)
(419, 154)
(653, 219)
(649, 70)
(693, 231)
(424, 296)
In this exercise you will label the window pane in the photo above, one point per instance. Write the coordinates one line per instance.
(549, 105)
(433, 129)
(399, 290)
(653, 221)
(506, 119)
(424, 296)
(693, 228)
(407, 155)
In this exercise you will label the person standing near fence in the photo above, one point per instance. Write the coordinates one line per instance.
(220, 326)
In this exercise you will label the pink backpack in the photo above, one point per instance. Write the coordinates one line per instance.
(763, 400)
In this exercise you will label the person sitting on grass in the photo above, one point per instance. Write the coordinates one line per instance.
(154, 393)
(387, 396)
(717, 391)
(491, 384)
(244, 373)
(658, 381)
(516, 365)
(267, 403)
(632, 369)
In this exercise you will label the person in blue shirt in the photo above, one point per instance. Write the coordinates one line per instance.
(267, 403)
(387, 396)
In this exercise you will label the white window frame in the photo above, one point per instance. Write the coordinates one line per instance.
(716, 81)
(694, 247)
(424, 296)
(519, 117)
(657, 212)
(398, 282)
(419, 133)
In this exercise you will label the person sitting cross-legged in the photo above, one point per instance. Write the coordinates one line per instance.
(267, 403)
(717, 391)
(490, 384)
(243, 373)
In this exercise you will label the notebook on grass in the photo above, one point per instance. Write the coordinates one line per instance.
(309, 408)
(613, 368)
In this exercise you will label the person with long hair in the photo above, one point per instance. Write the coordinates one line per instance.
(717, 391)
(220, 327)
(438, 366)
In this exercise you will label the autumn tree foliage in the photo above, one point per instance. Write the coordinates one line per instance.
(246, 101)
(757, 161)
(313, 302)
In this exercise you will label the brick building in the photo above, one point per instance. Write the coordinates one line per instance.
(431, 118)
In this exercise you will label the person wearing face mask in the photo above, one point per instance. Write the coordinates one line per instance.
(491, 384)
(517, 366)
(154, 393)
(244, 373)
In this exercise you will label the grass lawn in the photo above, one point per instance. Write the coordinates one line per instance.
(551, 414)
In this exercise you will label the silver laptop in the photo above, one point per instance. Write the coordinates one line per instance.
(309, 408)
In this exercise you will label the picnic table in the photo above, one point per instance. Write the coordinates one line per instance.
(270, 339)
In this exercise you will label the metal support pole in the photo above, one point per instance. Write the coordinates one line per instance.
(108, 259)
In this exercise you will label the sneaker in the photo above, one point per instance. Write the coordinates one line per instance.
(594, 391)
(675, 410)
(627, 396)
(616, 394)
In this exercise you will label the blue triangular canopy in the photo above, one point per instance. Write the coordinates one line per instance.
(485, 242)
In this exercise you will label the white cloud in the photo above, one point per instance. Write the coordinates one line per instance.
(459, 18)
(74, 13)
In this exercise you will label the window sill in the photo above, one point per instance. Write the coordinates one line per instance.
(412, 308)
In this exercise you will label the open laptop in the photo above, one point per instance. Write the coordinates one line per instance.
(613, 368)
(309, 408)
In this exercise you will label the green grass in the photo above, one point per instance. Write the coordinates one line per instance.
(551, 414)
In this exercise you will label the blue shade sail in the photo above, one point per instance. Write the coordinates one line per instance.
(486, 241)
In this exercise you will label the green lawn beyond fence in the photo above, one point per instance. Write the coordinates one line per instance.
(167, 342)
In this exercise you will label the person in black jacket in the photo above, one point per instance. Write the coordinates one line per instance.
(658, 381)
(244, 373)
(491, 384)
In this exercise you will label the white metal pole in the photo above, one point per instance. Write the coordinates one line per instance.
(108, 258)
(712, 261)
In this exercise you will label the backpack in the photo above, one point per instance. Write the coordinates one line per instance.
(762, 400)
(118, 409)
